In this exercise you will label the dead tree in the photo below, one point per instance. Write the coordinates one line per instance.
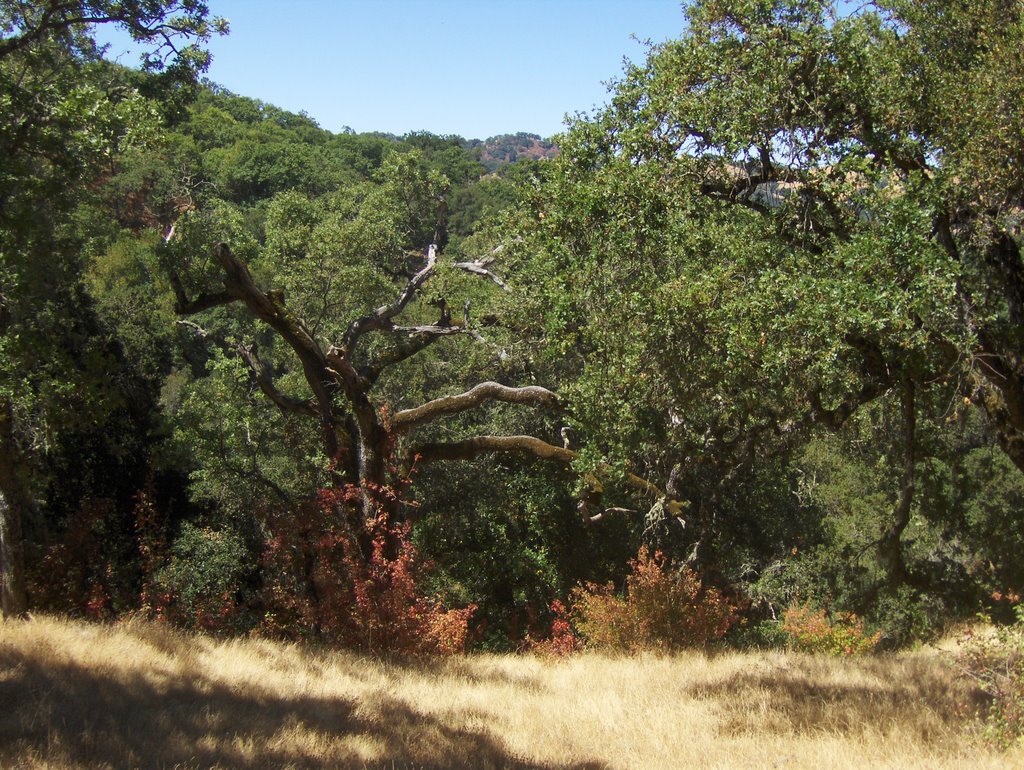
(354, 434)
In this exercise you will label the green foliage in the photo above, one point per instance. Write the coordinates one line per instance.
(240, 450)
(65, 120)
(762, 206)
(206, 571)
(762, 635)
(508, 539)
(776, 221)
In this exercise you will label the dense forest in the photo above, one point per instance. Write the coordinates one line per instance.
(746, 340)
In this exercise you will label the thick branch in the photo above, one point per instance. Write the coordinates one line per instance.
(739, 188)
(889, 548)
(401, 350)
(1004, 255)
(470, 448)
(185, 306)
(16, 506)
(596, 517)
(269, 308)
(1000, 391)
(878, 379)
(485, 391)
(5, 315)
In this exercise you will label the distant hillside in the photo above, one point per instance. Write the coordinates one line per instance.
(508, 148)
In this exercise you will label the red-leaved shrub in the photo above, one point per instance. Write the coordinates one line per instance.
(319, 581)
(72, 575)
(562, 640)
(664, 609)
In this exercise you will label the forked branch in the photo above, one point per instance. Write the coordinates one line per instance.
(382, 318)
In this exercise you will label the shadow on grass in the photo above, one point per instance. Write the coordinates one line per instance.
(69, 715)
(801, 698)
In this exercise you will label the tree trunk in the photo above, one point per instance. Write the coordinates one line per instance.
(890, 549)
(15, 505)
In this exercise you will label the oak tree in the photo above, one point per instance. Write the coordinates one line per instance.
(786, 213)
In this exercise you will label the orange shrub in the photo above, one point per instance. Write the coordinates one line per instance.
(664, 609)
(812, 631)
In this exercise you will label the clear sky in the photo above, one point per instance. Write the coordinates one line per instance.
(476, 68)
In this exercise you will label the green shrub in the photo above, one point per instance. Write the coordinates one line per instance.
(764, 635)
(199, 586)
(906, 616)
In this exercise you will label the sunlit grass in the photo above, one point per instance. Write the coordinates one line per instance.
(141, 695)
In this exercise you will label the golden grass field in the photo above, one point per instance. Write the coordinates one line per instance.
(77, 695)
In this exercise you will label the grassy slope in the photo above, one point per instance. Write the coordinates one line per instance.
(141, 695)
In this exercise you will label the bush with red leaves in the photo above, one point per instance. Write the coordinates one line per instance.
(319, 582)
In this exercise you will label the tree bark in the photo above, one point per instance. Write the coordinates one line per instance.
(890, 549)
(479, 394)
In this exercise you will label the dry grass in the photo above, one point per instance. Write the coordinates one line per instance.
(74, 695)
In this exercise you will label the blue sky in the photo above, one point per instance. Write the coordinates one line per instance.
(473, 68)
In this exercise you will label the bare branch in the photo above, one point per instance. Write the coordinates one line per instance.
(381, 318)
(262, 377)
(437, 330)
(479, 268)
(485, 391)
(200, 332)
(594, 518)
